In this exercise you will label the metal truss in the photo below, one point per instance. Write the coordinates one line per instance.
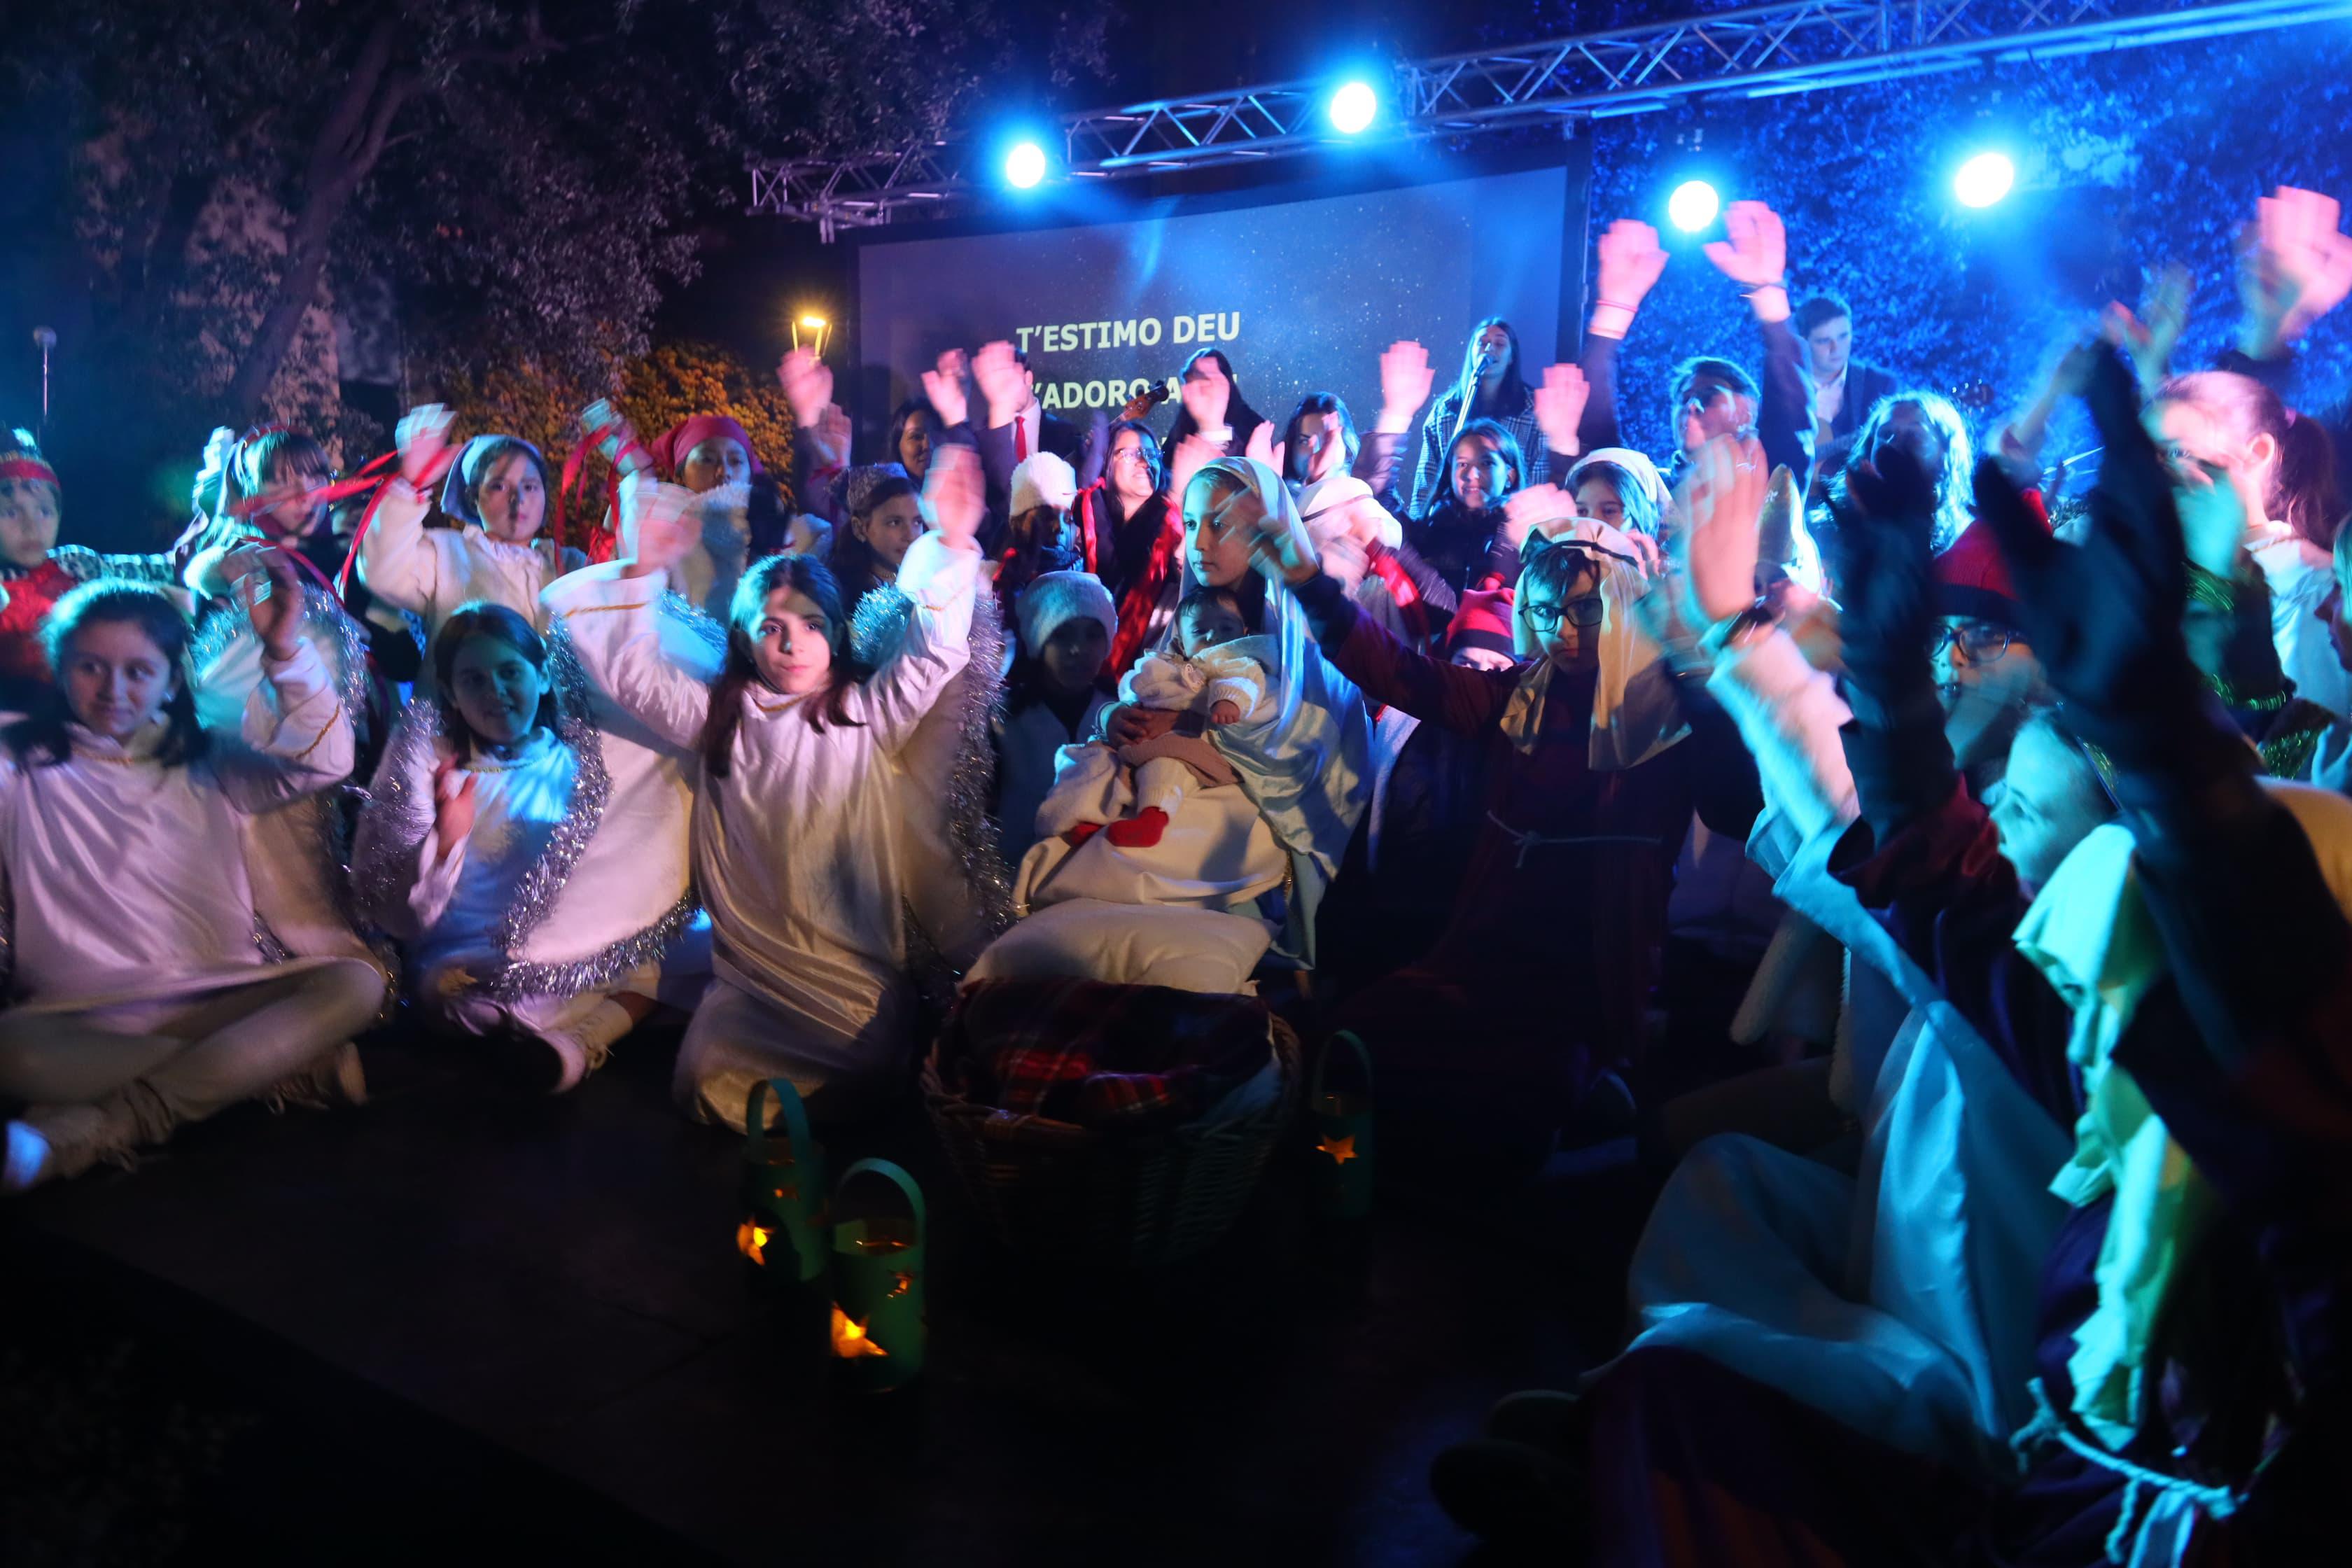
(1755, 51)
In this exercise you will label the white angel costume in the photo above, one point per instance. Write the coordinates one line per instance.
(800, 852)
(498, 930)
(431, 573)
(148, 990)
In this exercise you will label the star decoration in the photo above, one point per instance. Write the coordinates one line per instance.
(849, 1341)
(1341, 1150)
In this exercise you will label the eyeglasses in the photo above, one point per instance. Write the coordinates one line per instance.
(1584, 612)
(1982, 641)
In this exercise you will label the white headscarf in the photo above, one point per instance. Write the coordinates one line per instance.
(1306, 764)
(1635, 711)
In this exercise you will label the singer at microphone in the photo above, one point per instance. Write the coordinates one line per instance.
(1492, 386)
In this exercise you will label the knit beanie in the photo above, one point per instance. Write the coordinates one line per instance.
(1053, 599)
(1043, 480)
(1484, 621)
(1972, 580)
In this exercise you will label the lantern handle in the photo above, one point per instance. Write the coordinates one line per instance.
(883, 1168)
(788, 1106)
(1323, 1060)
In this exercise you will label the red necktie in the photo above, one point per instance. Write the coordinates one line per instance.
(1020, 439)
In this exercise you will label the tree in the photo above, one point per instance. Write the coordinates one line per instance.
(526, 181)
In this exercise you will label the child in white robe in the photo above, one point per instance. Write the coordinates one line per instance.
(799, 814)
(146, 991)
(496, 492)
(487, 802)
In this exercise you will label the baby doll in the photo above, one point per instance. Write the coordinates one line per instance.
(1215, 674)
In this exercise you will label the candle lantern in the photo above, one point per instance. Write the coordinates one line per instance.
(781, 1235)
(1341, 1117)
(878, 1327)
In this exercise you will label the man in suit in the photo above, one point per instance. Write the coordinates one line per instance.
(1013, 426)
(1844, 388)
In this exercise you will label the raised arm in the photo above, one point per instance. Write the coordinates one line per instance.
(401, 561)
(1755, 254)
(1630, 261)
(295, 737)
(1405, 380)
(612, 615)
(939, 575)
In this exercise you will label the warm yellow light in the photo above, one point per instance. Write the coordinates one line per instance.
(849, 1341)
(815, 322)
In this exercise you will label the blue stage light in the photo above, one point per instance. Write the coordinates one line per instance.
(1024, 166)
(1353, 108)
(1692, 206)
(1984, 180)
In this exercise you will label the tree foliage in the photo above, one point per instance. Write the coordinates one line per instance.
(523, 181)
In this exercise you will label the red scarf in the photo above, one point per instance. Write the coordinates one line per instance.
(1142, 600)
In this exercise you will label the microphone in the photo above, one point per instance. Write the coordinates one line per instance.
(1149, 398)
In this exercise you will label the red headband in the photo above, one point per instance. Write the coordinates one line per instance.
(23, 468)
(671, 446)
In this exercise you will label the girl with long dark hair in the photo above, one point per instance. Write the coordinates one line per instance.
(1493, 385)
(799, 832)
(490, 798)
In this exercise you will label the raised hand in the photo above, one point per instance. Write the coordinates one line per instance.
(955, 494)
(1631, 262)
(1206, 401)
(2293, 268)
(1529, 507)
(661, 525)
(944, 389)
(1560, 406)
(2105, 615)
(1002, 388)
(808, 384)
(423, 436)
(1755, 254)
(2151, 336)
(1192, 454)
(1405, 381)
(453, 806)
(266, 584)
(829, 436)
(1722, 499)
(1260, 446)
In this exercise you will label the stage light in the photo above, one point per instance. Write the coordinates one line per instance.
(1024, 166)
(1353, 107)
(1692, 206)
(1984, 180)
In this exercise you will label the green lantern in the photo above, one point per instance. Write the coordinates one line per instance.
(879, 1333)
(1340, 1168)
(781, 1236)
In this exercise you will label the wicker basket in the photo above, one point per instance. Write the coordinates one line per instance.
(1050, 1189)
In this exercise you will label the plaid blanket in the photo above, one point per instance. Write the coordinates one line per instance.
(1133, 1057)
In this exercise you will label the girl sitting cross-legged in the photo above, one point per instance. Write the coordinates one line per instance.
(146, 992)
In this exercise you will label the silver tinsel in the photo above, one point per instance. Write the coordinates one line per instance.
(876, 629)
(381, 877)
(341, 642)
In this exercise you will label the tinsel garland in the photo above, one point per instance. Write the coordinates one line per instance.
(877, 628)
(343, 644)
(384, 871)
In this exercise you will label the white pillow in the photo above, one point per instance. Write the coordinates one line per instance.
(1129, 944)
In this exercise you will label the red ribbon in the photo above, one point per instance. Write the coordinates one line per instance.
(22, 467)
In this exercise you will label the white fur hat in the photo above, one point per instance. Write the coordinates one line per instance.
(1043, 480)
(1053, 599)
